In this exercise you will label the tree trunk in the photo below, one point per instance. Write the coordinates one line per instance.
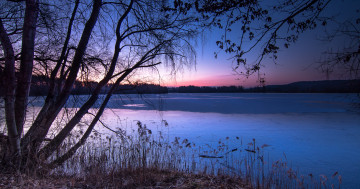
(88, 131)
(73, 149)
(26, 64)
(9, 81)
(36, 134)
(59, 138)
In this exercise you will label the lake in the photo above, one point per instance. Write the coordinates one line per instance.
(316, 133)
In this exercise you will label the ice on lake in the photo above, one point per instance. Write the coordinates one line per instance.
(318, 133)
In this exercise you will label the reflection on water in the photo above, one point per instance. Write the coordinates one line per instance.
(135, 105)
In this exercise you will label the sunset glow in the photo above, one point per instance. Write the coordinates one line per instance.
(157, 94)
(297, 63)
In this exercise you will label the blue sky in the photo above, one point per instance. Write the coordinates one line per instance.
(298, 63)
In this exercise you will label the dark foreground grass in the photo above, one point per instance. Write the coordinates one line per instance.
(143, 159)
(140, 178)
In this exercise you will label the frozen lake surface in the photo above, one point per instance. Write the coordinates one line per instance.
(318, 133)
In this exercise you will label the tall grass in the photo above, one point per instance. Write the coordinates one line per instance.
(145, 150)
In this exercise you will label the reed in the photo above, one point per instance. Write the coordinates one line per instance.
(144, 151)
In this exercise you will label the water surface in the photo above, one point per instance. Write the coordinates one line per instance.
(316, 133)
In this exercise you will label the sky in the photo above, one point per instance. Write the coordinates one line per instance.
(297, 63)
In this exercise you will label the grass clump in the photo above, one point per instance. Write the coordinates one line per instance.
(143, 159)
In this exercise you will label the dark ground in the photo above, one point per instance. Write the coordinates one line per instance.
(139, 179)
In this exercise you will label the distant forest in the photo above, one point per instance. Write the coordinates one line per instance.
(327, 86)
(195, 89)
(40, 86)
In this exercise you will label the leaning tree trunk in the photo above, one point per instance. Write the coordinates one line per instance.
(88, 131)
(9, 81)
(38, 131)
(60, 137)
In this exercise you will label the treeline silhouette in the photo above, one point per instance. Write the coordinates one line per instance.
(195, 89)
(40, 87)
(327, 86)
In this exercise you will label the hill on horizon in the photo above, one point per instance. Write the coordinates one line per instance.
(327, 86)
(323, 86)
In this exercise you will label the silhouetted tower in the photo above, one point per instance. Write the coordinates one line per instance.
(261, 79)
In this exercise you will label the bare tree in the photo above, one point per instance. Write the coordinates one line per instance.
(262, 28)
(345, 59)
(142, 34)
(16, 101)
(110, 40)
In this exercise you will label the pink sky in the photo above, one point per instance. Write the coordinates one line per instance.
(298, 63)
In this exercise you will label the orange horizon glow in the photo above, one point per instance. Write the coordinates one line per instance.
(236, 80)
(207, 81)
